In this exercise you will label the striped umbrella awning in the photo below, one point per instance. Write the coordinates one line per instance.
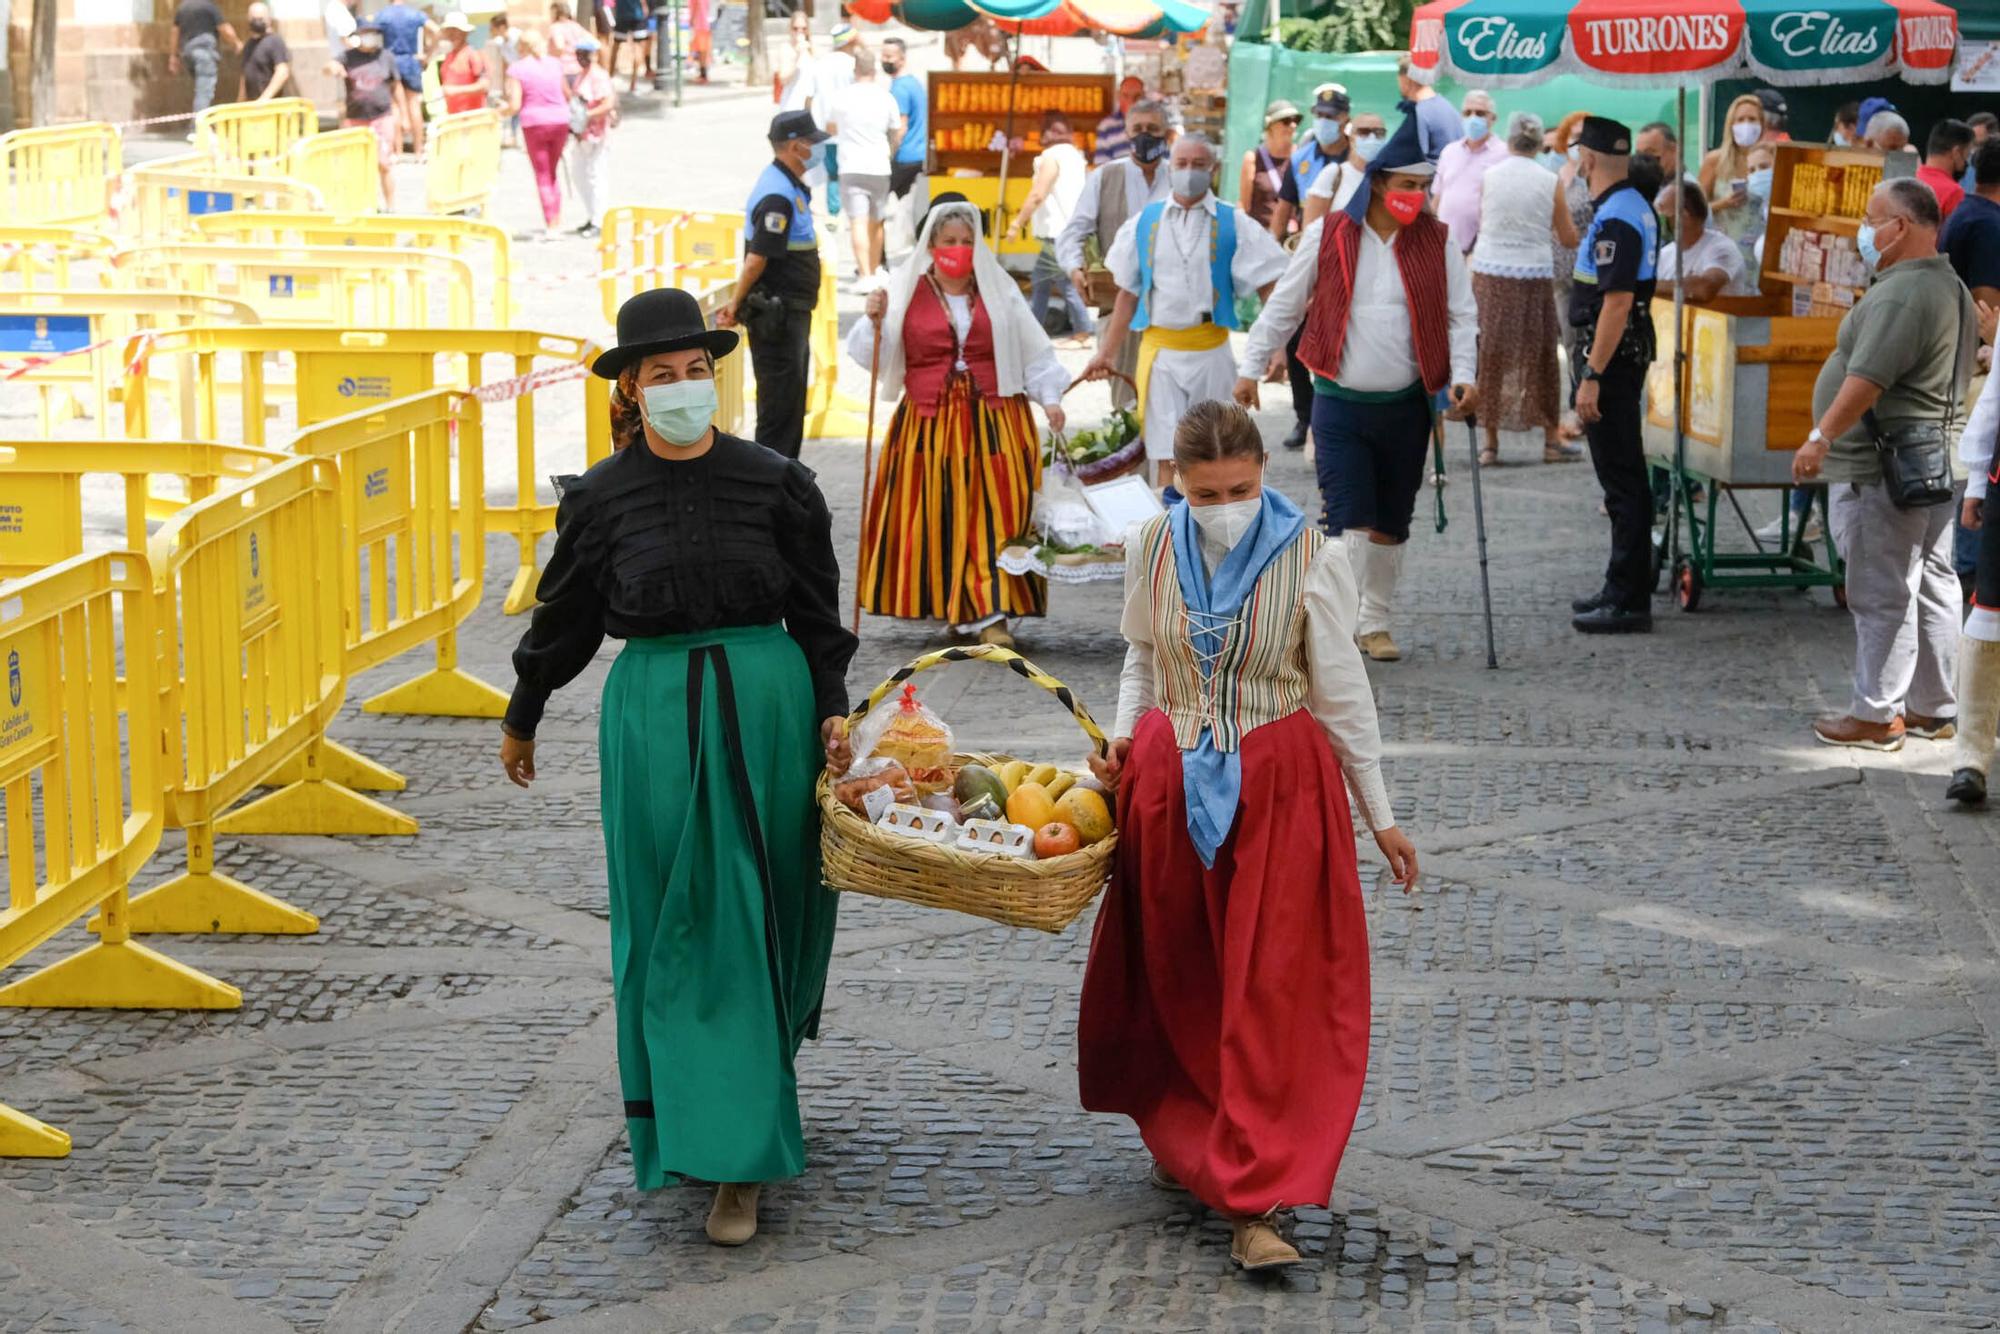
(1127, 18)
(1511, 43)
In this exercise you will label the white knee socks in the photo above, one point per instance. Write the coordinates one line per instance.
(1376, 572)
(1978, 704)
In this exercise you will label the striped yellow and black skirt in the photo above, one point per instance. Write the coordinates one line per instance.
(952, 489)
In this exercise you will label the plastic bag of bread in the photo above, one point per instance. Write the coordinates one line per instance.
(901, 728)
(877, 773)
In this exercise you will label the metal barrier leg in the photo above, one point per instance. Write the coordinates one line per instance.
(317, 802)
(201, 902)
(22, 1136)
(337, 764)
(118, 973)
(444, 692)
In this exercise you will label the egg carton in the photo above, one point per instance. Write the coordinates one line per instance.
(997, 836)
(919, 822)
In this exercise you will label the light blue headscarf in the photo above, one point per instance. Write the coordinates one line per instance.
(1211, 779)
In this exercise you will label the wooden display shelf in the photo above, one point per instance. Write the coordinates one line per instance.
(979, 102)
(1790, 177)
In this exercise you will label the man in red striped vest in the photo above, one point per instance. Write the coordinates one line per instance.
(1391, 330)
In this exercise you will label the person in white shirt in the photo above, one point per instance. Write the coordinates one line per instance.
(829, 76)
(1060, 173)
(1979, 649)
(1392, 327)
(1179, 264)
(867, 126)
(1338, 181)
(1111, 194)
(1715, 265)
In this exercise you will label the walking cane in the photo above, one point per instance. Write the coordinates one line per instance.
(867, 466)
(1479, 524)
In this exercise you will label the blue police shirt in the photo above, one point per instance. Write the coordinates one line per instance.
(778, 224)
(1304, 168)
(1616, 256)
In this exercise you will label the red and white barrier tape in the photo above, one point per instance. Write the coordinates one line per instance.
(144, 121)
(143, 344)
(502, 391)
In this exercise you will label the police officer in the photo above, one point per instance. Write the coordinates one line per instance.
(1610, 309)
(779, 283)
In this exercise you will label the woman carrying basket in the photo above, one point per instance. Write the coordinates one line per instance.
(1225, 1005)
(962, 458)
(712, 557)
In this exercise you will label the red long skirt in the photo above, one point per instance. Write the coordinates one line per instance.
(1225, 1010)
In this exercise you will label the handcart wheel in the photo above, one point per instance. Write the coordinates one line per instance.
(1687, 584)
(1840, 596)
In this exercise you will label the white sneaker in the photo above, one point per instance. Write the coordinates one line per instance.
(1811, 532)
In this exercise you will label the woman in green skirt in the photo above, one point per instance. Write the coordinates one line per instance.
(712, 557)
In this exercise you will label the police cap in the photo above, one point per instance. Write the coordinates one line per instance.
(1601, 134)
(796, 125)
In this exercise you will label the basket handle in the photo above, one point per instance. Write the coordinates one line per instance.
(1007, 658)
(1116, 374)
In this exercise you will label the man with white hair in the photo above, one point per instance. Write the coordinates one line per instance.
(1179, 264)
(1462, 166)
(1888, 132)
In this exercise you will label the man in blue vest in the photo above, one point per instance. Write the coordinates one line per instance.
(779, 282)
(1611, 311)
(1179, 263)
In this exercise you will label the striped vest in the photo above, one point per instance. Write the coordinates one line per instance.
(1261, 676)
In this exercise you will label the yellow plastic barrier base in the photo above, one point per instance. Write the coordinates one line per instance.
(835, 416)
(338, 764)
(444, 692)
(122, 975)
(22, 1136)
(313, 806)
(521, 593)
(207, 903)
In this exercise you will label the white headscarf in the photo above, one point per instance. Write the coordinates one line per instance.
(1017, 340)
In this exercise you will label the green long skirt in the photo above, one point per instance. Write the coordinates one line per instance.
(720, 925)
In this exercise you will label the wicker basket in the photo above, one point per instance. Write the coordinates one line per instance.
(1045, 895)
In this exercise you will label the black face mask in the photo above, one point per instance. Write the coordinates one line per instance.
(890, 67)
(1148, 147)
(259, 27)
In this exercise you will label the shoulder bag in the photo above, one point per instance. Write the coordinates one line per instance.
(1916, 458)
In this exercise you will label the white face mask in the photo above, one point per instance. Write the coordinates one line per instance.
(1746, 132)
(1190, 182)
(1225, 524)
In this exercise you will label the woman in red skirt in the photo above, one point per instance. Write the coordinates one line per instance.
(1225, 1007)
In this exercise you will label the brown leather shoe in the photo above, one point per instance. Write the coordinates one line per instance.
(1376, 644)
(1930, 729)
(1256, 1243)
(1843, 730)
(733, 1219)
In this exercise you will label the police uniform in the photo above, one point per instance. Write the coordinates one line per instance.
(777, 311)
(1616, 255)
(1304, 167)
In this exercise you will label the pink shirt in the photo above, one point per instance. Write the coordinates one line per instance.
(1461, 170)
(544, 98)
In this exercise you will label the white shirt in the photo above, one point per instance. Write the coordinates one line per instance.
(1379, 355)
(1337, 689)
(863, 112)
(1183, 293)
(1044, 378)
(1975, 443)
(1713, 251)
(1517, 203)
(827, 78)
(1083, 222)
(1338, 181)
(1071, 173)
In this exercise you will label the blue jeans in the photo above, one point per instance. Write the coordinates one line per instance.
(202, 57)
(1049, 277)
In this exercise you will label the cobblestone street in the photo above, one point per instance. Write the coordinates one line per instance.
(1692, 1027)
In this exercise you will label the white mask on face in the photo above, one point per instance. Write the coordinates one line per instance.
(1226, 524)
(1746, 132)
(1190, 182)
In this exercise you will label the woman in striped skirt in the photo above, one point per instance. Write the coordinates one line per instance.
(962, 457)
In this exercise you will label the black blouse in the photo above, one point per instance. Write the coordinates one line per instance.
(650, 546)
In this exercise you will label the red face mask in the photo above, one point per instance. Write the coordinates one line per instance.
(1404, 205)
(952, 261)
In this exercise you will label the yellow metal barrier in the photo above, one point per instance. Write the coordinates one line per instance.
(335, 372)
(732, 402)
(60, 175)
(255, 137)
(242, 587)
(341, 165)
(41, 511)
(169, 194)
(79, 824)
(464, 165)
(349, 287)
(411, 568)
(641, 248)
(469, 238)
(830, 413)
(51, 256)
(70, 344)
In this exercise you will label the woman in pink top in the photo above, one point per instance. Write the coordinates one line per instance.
(539, 95)
(565, 34)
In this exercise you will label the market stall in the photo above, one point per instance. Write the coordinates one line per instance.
(1729, 416)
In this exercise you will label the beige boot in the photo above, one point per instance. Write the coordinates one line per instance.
(1256, 1243)
(733, 1220)
(1978, 715)
(1378, 575)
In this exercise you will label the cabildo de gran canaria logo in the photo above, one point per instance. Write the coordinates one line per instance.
(14, 679)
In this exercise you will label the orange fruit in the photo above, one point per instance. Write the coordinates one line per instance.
(1086, 812)
(1030, 805)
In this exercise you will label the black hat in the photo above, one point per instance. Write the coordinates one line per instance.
(1403, 154)
(796, 125)
(665, 319)
(938, 202)
(1601, 134)
(1773, 102)
(1332, 102)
